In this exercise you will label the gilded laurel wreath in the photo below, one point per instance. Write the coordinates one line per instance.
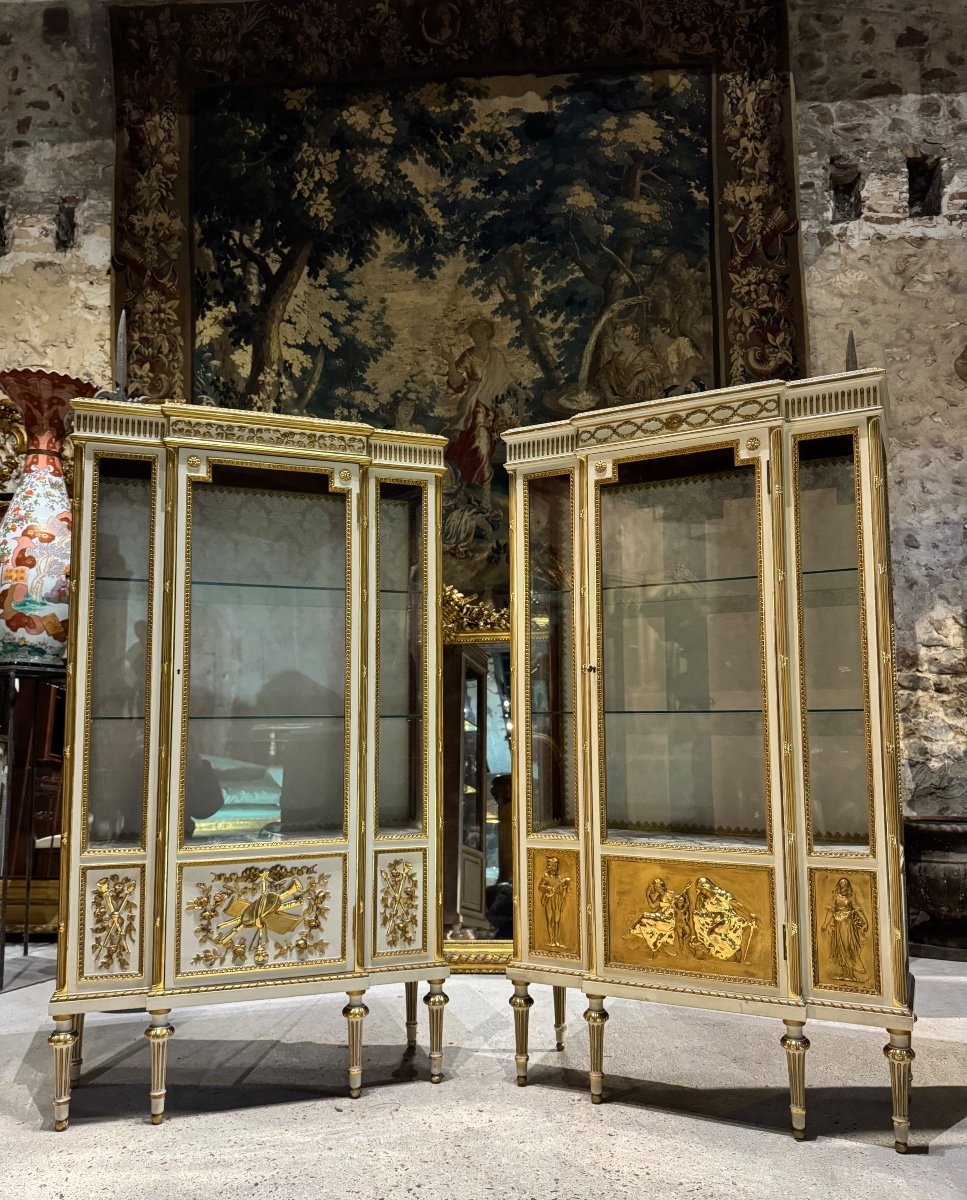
(115, 925)
(255, 903)
(398, 902)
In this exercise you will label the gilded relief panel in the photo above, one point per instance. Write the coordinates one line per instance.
(113, 906)
(842, 907)
(707, 919)
(266, 914)
(555, 901)
(399, 904)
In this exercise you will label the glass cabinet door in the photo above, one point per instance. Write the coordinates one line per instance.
(549, 731)
(681, 721)
(837, 746)
(267, 631)
(118, 737)
(401, 645)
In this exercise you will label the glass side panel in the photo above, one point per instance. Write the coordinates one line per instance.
(473, 800)
(116, 771)
(831, 632)
(266, 747)
(551, 653)
(402, 617)
(680, 673)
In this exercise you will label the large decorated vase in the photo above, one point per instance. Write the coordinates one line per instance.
(35, 534)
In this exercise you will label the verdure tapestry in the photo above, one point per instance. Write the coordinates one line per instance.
(455, 217)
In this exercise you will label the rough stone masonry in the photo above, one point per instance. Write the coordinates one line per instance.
(879, 89)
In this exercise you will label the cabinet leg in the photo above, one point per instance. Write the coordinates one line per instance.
(795, 1046)
(411, 1026)
(900, 1056)
(560, 1009)
(354, 1012)
(158, 1033)
(436, 1001)
(596, 1018)
(62, 1042)
(77, 1050)
(521, 1003)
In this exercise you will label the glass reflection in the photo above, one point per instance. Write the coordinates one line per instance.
(265, 751)
(832, 637)
(680, 651)
(402, 600)
(119, 633)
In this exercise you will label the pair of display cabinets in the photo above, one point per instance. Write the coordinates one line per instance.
(254, 753)
(706, 784)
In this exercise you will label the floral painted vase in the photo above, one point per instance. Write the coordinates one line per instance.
(35, 534)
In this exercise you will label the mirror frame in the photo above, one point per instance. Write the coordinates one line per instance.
(468, 620)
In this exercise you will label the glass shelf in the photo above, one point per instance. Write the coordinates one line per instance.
(679, 712)
(268, 719)
(672, 583)
(270, 587)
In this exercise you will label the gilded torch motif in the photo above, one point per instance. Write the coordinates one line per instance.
(254, 904)
(115, 924)
(398, 902)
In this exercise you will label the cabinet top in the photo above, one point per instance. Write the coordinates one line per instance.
(174, 424)
(777, 401)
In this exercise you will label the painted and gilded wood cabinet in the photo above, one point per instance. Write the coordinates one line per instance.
(253, 762)
(706, 789)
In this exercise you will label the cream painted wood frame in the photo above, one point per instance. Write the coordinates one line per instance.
(803, 886)
(363, 904)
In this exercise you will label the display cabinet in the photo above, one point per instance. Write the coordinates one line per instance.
(706, 789)
(253, 759)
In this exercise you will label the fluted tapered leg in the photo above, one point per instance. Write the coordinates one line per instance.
(77, 1050)
(795, 1046)
(158, 1033)
(560, 1001)
(354, 1012)
(900, 1056)
(62, 1042)
(521, 1003)
(436, 1001)
(596, 1018)
(411, 1025)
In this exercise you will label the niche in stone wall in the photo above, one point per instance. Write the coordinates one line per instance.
(924, 185)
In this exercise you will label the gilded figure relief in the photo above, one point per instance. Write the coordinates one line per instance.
(718, 923)
(243, 915)
(843, 907)
(846, 928)
(555, 896)
(115, 922)
(712, 923)
(553, 887)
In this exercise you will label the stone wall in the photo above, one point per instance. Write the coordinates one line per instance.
(57, 146)
(875, 88)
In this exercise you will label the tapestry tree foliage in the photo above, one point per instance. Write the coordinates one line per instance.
(562, 208)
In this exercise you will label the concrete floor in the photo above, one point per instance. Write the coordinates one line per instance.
(695, 1104)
